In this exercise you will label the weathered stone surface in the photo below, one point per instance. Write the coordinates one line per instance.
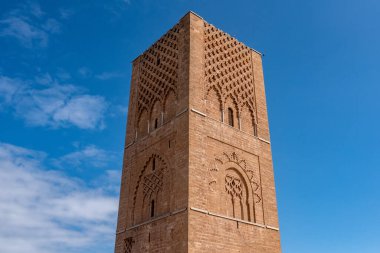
(197, 173)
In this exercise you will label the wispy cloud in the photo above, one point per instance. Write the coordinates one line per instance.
(51, 103)
(52, 26)
(63, 74)
(83, 111)
(32, 8)
(122, 109)
(66, 13)
(29, 25)
(9, 88)
(43, 210)
(26, 33)
(85, 72)
(89, 155)
(109, 75)
(116, 8)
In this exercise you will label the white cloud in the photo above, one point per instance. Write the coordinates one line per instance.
(52, 104)
(26, 33)
(29, 25)
(9, 88)
(46, 211)
(89, 155)
(83, 111)
(44, 79)
(113, 178)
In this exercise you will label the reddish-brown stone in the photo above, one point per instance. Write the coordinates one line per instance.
(197, 170)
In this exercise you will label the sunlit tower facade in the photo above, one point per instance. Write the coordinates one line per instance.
(197, 171)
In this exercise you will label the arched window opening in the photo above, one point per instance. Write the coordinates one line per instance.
(152, 209)
(239, 201)
(155, 116)
(230, 116)
(152, 196)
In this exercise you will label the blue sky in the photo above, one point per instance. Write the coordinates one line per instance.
(64, 81)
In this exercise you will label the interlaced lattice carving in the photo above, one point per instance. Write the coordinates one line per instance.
(234, 158)
(228, 67)
(141, 180)
(233, 186)
(128, 242)
(158, 71)
(153, 183)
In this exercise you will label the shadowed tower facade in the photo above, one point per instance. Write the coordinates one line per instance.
(197, 170)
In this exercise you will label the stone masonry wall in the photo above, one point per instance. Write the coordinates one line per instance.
(154, 193)
(232, 202)
(197, 170)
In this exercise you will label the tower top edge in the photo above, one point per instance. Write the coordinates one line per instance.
(197, 15)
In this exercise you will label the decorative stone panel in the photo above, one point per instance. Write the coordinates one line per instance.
(238, 183)
(229, 72)
(154, 183)
(158, 72)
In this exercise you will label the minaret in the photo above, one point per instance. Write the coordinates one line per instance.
(197, 170)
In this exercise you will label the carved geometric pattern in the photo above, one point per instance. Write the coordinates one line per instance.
(234, 158)
(228, 67)
(163, 168)
(153, 183)
(158, 71)
(128, 242)
(233, 186)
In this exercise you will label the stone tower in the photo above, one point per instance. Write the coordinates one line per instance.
(197, 172)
